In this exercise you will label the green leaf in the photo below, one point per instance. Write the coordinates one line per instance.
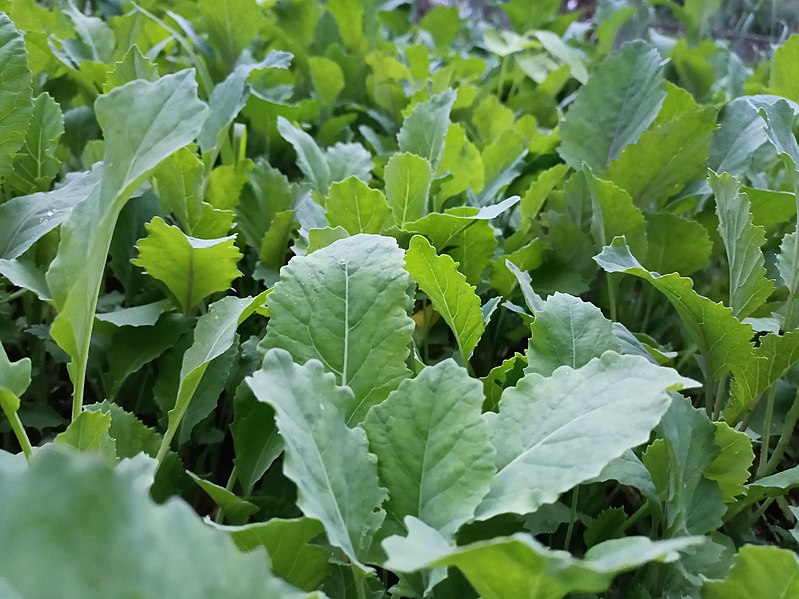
(771, 359)
(665, 158)
(730, 469)
(784, 79)
(327, 78)
(16, 106)
(137, 316)
(231, 26)
(310, 158)
(749, 288)
(335, 474)
(788, 269)
(526, 258)
(120, 546)
(143, 123)
(449, 292)
(725, 342)
(191, 268)
(462, 160)
(554, 433)
(740, 133)
(676, 244)
(567, 332)
(89, 432)
(256, 440)
(535, 196)
(213, 336)
(347, 305)
(520, 566)
(27, 219)
(356, 207)
(180, 181)
(614, 213)
(774, 485)
(424, 131)
(134, 65)
(130, 434)
(27, 276)
(432, 447)
(759, 571)
(288, 543)
(15, 378)
(619, 102)
(35, 165)
(408, 179)
(268, 193)
(236, 510)
(272, 252)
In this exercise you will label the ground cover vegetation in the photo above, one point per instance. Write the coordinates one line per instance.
(305, 299)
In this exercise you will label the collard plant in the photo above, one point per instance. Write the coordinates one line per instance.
(340, 300)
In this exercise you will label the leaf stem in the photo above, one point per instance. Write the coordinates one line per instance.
(785, 437)
(360, 582)
(765, 440)
(19, 433)
(572, 517)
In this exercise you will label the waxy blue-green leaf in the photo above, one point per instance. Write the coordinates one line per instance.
(214, 334)
(292, 554)
(724, 341)
(347, 305)
(759, 571)
(621, 99)
(191, 268)
(126, 545)
(788, 269)
(143, 122)
(27, 219)
(771, 359)
(749, 287)
(740, 133)
(35, 165)
(553, 433)
(449, 292)
(567, 332)
(408, 179)
(335, 474)
(134, 65)
(432, 447)
(357, 208)
(16, 105)
(520, 566)
(27, 276)
(424, 130)
(779, 116)
(310, 157)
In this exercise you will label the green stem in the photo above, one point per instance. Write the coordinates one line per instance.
(785, 437)
(219, 516)
(502, 73)
(360, 582)
(766, 438)
(642, 511)
(19, 433)
(12, 296)
(572, 518)
(612, 297)
(719, 399)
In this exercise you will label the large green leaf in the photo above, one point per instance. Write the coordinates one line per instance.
(759, 571)
(143, 122)
(432, 447)
(520, 566)
(213, 336)
(665, 158)
(725, 342)
(567, 332)
(740, 133)
(35, 165)
(424, 131)
(449, 292)
(357, 207)
(784, 77)
(621, 99)
(124, 546)
(408, 179)
(16, 105)
(347, 305)
(335, 474)
(191, 268)
(749, 287)
(231, 26)
(676, 244)
(554, 433)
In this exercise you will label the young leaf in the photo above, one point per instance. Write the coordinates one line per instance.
(749, 287)
(191, 268)
(408, 179)
(16, 106)
(256, 440)
(730, 469)
(424, 131)
(89, 432)
(120, 546)
(335, 474)
(740, 133)
(213, 336)
(356, 207)
(143, 122)
(347, 305)
(520, 566)
(620, 100)
(450, 294)
(35, 165)
(236, 510)
(784, 76)
(567, 332)
(554, 433)
(432, 447)
(15, 378)
(759, 571)
(725, 342)
(310, 158)
(231, 26)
